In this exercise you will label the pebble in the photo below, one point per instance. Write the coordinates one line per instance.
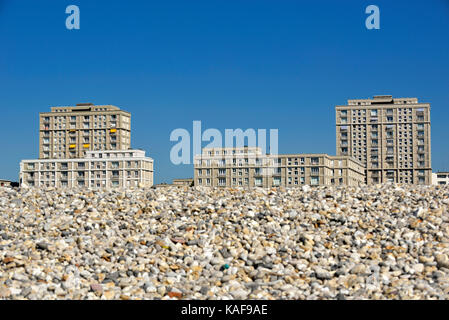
(369, 242)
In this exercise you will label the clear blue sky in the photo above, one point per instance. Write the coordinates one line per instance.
(230, 64)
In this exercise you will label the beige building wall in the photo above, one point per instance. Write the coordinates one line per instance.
(390, 136)
(183, 182)
(248, 167)
(5, 183)
(71, 131)
(440, 178)
(99, 169)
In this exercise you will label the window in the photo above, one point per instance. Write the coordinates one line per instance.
(314, 181)
(276, 181)
(221, 181)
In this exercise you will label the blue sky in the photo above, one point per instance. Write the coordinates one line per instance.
(230, 64)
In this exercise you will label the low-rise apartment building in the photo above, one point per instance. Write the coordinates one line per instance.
(440, 178)
(98, 169)
(5, 183)
(249, 167)
(183, 182)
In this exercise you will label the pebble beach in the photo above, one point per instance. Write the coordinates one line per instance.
(370, 242)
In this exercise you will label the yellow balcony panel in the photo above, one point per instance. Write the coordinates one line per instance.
(72, 130)
(86, 145)
(72, 146)
(113, 130)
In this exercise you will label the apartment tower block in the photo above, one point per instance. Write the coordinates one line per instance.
(68, 132)
(390, 136)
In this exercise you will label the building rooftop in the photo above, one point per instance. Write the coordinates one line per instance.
(382, 99)
(83, 107)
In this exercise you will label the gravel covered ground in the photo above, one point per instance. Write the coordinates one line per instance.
(377, 242)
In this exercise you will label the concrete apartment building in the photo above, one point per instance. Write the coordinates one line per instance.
(5, 183)
(390, 136)
(98, 169)
(183, 182)
(440, 178)
(249, 167)
(71, 131)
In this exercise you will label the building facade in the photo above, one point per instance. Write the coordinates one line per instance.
(183, 182)
(5, 183)
(98, 169)
(390, 136)
(249, 167)
(69, 132)
(440, 178)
